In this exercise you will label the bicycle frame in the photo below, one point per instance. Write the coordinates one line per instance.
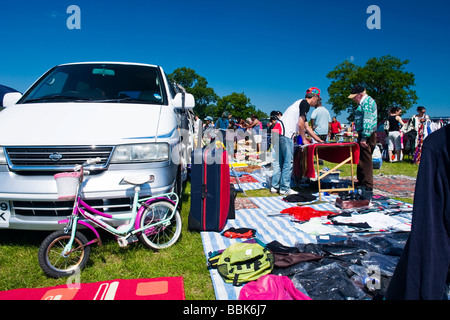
(90, 214)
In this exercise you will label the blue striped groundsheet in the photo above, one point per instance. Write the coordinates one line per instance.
(270, 226)
(261, 184)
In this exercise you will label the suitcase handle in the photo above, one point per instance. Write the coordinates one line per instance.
(203, 191)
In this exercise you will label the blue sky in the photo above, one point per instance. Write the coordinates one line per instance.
(270, 50)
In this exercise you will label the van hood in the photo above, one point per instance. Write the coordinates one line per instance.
(65, 124)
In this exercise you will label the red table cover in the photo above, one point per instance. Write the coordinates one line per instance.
(334, 152)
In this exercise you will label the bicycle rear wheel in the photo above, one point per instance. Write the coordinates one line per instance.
(51, 258)
(163, 235)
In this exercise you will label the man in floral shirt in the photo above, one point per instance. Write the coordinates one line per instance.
(366, 126)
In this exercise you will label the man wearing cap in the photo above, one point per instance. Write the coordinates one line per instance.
(312, 98)
(366, 126)
(208, 129)
(292, 121)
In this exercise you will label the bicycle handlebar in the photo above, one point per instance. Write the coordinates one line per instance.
(93, 161)
(88, 162)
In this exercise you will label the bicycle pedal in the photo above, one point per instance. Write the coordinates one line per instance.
(122, 241)
(125, 241)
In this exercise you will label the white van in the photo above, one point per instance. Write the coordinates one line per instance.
(127, 114)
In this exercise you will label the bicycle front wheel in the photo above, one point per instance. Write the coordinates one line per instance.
(160, 236)
(52, 260)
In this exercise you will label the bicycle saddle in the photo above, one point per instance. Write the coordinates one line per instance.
(138, 180)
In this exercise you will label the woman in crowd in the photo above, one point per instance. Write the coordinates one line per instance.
(394, 137)
(256, 127)
(335, 128)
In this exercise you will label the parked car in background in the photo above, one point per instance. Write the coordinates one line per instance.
(127, 114)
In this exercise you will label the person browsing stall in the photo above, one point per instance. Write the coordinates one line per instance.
(321, 120)
(312, 97)
(222, 124)
(335, 128)
(292, 121)
(394, 137)
(256, 127)
(418, 121)
(365, 126)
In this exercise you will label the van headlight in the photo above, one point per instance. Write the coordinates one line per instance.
(2, 156)
(148, 152)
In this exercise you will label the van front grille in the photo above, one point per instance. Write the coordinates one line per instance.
(56, 158)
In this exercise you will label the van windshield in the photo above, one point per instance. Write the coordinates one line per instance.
(99, 83)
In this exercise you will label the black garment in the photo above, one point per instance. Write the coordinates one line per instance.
(422, 270)
(394, 125)
(300, 197)
(304, 108)
(410, 145)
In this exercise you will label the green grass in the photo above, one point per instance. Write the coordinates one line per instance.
(395, 168)
(19, 267)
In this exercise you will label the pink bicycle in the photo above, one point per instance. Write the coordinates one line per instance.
(155, 221)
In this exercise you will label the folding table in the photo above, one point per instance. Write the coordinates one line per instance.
(339, 153)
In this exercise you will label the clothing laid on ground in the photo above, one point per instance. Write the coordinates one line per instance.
(424, 265)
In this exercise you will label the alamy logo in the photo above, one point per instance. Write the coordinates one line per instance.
(219, 142)
(74, 20)
(374, 21)
(373, 278)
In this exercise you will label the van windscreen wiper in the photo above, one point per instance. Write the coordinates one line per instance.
(57, 97)
(128, 99)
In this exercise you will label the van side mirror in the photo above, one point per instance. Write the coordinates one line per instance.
(11, 98)
(185, 100)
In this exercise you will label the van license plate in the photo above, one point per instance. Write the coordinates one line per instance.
(5, 214)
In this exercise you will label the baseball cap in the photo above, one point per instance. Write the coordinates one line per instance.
(314, 90)
(355, 91)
